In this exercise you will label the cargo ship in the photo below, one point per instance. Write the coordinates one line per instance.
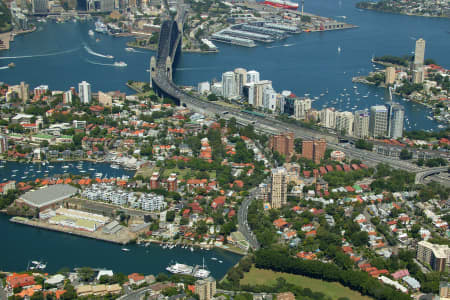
(282, 4)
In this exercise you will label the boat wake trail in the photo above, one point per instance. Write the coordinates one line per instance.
(4, 68)
(41, 55)
(97, 63)
(90, 51)
(288, 45)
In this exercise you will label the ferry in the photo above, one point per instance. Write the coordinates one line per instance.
(100, 27)
(180, 269)
(120, 64)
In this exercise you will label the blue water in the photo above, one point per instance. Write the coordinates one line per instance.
(29, 171)
(306, 63)
(21, 244)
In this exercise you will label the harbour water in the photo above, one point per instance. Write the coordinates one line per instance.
(21, 244)
(309, 63)
(31, 171)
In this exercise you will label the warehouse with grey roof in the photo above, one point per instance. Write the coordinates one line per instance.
(47, 197)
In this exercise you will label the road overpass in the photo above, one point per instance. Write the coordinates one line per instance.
(161, 71)
(440, 175)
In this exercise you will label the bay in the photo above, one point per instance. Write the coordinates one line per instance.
(21, 244)
(18, 171)
(307, 63)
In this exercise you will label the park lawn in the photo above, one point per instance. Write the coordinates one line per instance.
(331, 289)
(147, 172)
(182, 172)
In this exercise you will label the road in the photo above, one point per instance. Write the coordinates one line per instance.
(134, 295)
(2, 292)
(442, 178)
(242, 220)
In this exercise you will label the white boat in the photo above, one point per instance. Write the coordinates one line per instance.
(125, 249)
(98, 174)
(120, 64)
(130, 50)
(192, 249)
(35, 265)
(213, 258)
(91, 32)
(115, 166)
(201, 273)
(100, 27)
(91, 169)
(109, 56)
(180, 269)
(65, 167)
(220, 261)
(339, 49)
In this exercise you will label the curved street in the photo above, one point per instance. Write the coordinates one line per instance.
(242, 220)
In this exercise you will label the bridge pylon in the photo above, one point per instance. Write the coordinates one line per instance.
(169, 68)
(152, 70)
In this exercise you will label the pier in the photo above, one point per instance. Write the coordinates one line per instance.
(121, 238)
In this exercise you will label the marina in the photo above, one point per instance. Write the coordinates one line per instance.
(31, 171)
(95, 253)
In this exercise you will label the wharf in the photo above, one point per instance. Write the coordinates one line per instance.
(5, 38)
(344, 26)
(122, 238)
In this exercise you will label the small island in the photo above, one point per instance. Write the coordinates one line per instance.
(417, 8)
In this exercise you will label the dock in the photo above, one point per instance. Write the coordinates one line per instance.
(122, 239)
(5, 38)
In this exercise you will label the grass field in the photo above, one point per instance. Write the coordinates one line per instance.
(332, 289)
(146, 172)
(182, 172)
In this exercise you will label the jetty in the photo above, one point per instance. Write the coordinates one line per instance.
(121, 238)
